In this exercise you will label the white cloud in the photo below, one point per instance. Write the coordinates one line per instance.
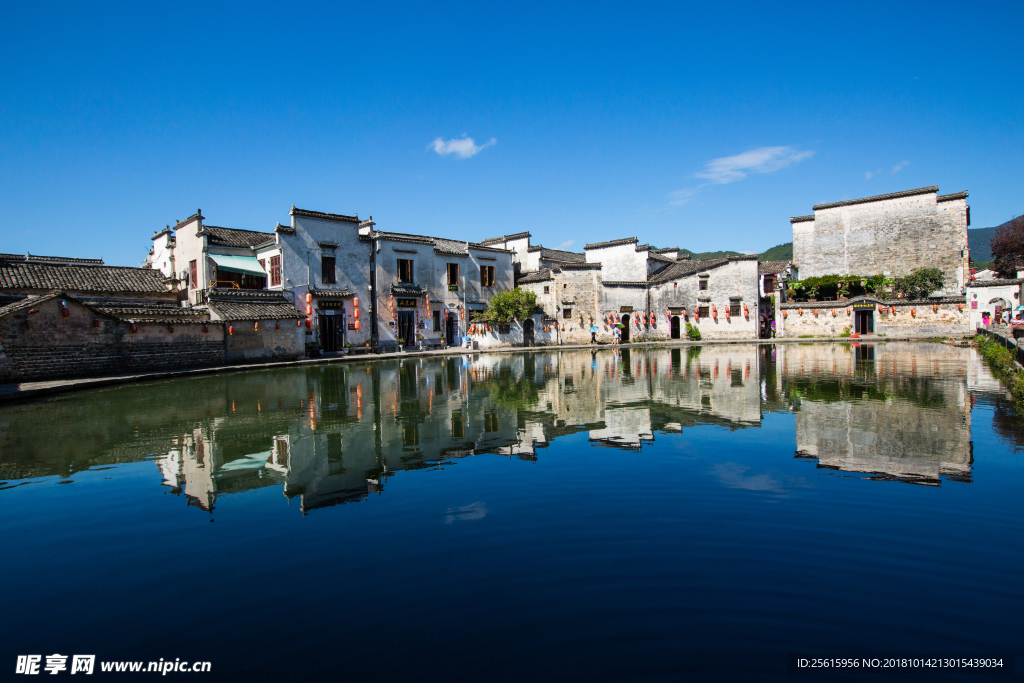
(680, 197)
(760, 160)
(869, 174)
(900, 166)
(564, 246)
(464, 147)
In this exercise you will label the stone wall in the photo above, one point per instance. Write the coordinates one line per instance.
(834, 318)
(268, 343)
(892, 236)
(57, 347)
(729, 283)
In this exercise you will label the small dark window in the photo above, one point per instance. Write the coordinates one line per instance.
(491, 422)
(458, 426)
(486, 276)
(193, 275)
(453, 273)
(405, 270)
(734, 310)
(703, 284)
(547, 290)
(566, 313)
(410, 436)
(327, 270)
(437, 321)
(703, 311)
(334, 447)
(769, 283)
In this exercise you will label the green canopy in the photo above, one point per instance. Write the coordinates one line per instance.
(239, 264)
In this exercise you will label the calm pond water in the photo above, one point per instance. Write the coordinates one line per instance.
(631, 515)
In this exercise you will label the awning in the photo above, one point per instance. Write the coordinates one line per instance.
(239, 264)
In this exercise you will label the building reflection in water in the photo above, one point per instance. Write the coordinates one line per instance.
(333, 434)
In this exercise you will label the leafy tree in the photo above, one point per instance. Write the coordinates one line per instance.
(505, 306)
(1008, 247)
(921, 283)
(692, 332)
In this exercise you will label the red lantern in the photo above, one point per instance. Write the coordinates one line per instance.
(714, 311)
(309, 298)
(277, 325)
(728, 316)
(28, 323)
(96, 323)
(256, 326)
(935, 308)
(746, 311)
(913, 312)
(892, 309)
(309, 323)
(206, 329)
(355, 302)
(785, 314)
(298, 323)
(134, 329)
(309, 310)
(64, 311)
(170, 329)
(961, 306)
(231, 329)
(357, 325)
(848, 310)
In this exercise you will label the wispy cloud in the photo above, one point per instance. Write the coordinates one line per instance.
(566, 245)
(730, 169)
(870, 174)
(760, 160)
(900, 166)
(464, 147)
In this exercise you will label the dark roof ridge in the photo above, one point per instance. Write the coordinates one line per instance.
(198, 214)
(63, 260)
(324, 215)
(505, 238)
(611, 243)
(801, 219)
(878, 198)
(951, 197)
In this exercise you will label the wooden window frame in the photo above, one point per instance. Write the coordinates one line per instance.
(193, 274)
(449, 269)
(328, 275)
(275, 271)
(405, 278)
(487, 276)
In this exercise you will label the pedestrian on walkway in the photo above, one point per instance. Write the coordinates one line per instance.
(593, 333)
(616, 334)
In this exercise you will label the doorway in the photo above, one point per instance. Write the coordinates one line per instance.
(864, 323)
(331, 333)
(449, 329)
(675, 327)
(624, 330)
(406, 329)
(528, 332)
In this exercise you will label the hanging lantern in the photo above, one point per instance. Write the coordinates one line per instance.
(961, 306)
(309, 323)
(64, 310)
(170, 329)
(256, 326)
(277, 325)
(355, 314)
(833, 312)
(357, 326)
(746, 311)
(206, 329)
(134, 329)
(848, 310)
(800, 311)
(96, 323)
(785, 314)
(892, 310)
(935, 308)
(309, 297)
(913, 312)
(714, 312)
(28, 323)
(355, 302)
(231, 329)
(728, 315)
(309, 310)
(298, 323)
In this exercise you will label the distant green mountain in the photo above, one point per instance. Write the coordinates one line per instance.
(783, 252)
(697, 256)
(977, 242)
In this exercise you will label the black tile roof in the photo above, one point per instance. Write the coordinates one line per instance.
(541, 275)
(324, 216)
(611, 243)
(801, 219)
(772, 267)
(559, 255)
(70, 260)
(230, 237)
(505, 238)
(110, 279)
(951, 197)
(251, 304)
(878, 197)
(684, 268)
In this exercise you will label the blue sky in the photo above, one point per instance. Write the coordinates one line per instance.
(704, 126)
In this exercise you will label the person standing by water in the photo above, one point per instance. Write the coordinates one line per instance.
(593, 333)
(616, 335)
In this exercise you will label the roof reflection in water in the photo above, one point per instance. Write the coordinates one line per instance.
(333, 434)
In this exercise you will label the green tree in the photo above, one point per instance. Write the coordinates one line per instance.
(692, 332)
(505, 306)
(920, 284)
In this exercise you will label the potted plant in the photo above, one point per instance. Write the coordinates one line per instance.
(419, 340)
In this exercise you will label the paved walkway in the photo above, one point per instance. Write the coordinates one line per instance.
(28, 390)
